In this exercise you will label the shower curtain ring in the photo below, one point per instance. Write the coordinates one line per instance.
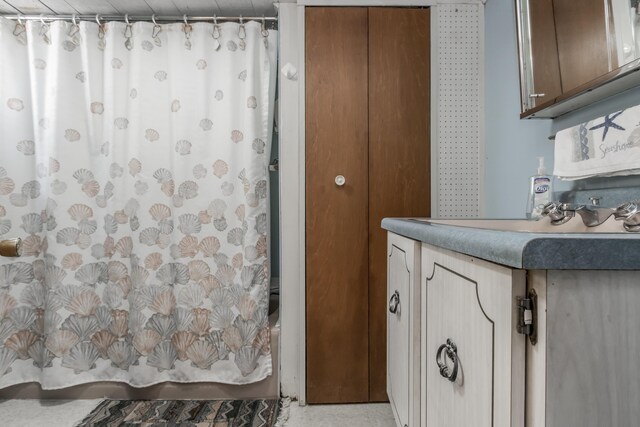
(44, 30)
(101, 32)
(155, 32)
(19, 28)
(75, 28)
(215, 33)
(128, 33)
(186, 29)
(242, 34)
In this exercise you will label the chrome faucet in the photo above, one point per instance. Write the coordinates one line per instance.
(558, 213)
(594, 215)
(629, 213)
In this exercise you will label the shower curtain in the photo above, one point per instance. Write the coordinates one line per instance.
(133, 165)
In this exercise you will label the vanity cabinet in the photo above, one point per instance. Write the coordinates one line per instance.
(458, 354)
(403, 329)
(473, 364)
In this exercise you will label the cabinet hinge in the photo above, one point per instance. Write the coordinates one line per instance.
(527, 316)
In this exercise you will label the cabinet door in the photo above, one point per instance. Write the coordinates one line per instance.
(470, 304)
(337, 215)
(544, 53)
(403, 322)
(584, 41)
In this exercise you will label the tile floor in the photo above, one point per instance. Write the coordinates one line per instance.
(369, 415)
(65, 413)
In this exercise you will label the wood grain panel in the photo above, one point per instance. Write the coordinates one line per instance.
(471, 302)
(583, 47)
(544, 50)
(93, 6)
(165, 7)
(336, 217)
(243, 7)
(59, 7)
(30, 7)
(399, 151)
(262, 7)
(592, 378)
(7, 8)
(131, 7)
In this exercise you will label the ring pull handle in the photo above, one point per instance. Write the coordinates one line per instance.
(449, 350)
(394, 303)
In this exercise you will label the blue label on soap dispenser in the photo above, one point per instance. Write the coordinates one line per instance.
(541, 185)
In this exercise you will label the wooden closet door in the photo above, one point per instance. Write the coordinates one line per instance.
(337, 216)
(399, 152)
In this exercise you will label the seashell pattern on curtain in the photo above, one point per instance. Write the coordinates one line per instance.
(135, 171)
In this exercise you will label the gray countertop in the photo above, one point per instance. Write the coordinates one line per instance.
(528, 250)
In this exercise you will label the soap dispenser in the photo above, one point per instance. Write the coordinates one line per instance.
(540, 191)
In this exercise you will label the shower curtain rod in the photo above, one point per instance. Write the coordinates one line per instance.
(149, 18)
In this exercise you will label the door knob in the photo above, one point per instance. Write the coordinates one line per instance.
(340, 180)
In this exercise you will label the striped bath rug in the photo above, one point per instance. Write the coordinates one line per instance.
(184, 413)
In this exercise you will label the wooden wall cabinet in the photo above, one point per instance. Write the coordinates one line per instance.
(568, 48)
(581, 369)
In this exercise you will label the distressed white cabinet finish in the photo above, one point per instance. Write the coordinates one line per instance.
(403, 329)
(471, 303)
(582, 370)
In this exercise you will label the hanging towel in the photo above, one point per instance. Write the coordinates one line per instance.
(606, 146)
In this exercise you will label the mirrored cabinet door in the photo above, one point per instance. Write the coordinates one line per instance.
(569, 46)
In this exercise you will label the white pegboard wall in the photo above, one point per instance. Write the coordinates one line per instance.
(459, 129)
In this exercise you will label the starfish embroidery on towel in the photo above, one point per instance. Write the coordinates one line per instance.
(608, 123)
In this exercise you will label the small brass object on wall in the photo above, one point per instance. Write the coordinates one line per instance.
(11, 247)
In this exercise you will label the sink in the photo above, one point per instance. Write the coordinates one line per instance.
(574, 225)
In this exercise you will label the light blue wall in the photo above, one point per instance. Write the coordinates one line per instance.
(511, 144)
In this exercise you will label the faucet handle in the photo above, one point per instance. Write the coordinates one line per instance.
(625, 210)
(548, 208)
(595, 201)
